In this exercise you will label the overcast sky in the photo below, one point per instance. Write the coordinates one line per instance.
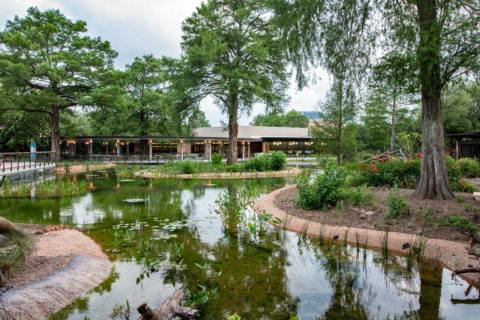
(137, 27)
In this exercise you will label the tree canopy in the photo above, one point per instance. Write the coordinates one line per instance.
(49, 65)
(292, 119)
(234, 54)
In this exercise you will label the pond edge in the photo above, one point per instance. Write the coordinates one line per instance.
(450, 254)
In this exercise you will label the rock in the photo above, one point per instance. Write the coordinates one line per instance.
(363, 216)
(6, 226)
(476, 195)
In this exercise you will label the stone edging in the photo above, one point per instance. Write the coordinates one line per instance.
(82, 168)
(291, 172)
(452, 255)
(42, 298)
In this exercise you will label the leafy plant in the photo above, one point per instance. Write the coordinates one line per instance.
(121, 311)
(188, 167)
(397, 205)
(217, 159)
(326, 190)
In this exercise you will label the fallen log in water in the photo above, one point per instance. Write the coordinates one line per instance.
(468, 270)
(171, 307)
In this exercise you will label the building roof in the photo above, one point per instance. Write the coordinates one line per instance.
(254, 132)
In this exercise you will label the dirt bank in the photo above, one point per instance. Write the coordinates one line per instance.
(290, 172)
(76, 168)
(61, 266)
(451, 254)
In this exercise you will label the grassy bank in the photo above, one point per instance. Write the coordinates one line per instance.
(46, 189)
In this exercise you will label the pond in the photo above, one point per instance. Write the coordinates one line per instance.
(277, 275)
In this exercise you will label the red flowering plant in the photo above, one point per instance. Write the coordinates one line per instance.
(391, 172)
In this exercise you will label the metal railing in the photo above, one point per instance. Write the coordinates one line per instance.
(17, 161)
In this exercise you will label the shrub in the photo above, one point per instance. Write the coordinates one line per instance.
(217, 159)
(360, 195)
(397, 205)
(255, 164)
(188, 167)
(469, 167)
(391, 172)
(327, 189)
(275, 160)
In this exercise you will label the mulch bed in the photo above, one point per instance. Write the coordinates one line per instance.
(372, 216)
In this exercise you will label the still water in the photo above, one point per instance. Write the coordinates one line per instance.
(277, 275)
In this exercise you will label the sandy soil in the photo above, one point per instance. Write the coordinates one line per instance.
(81, 168)
(61, 266)
(53, 250)
(291, 172)
(451, 254)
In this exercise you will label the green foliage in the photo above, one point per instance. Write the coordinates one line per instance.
(275, 161)
(397, 205)
(469, 168)
(233, 53)
(188, 167)
(217, 159)
(121, 311)
(293, 119)
(46, 189)
(360, 195)
(14, 259)
(234, 317)
(391, 172)
(458, 221)
(336, 134)
(326, 190)
(48, 64)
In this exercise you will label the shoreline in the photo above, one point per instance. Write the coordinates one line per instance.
(451, 254)
(78, 168)
(61, 266)
(290, 172)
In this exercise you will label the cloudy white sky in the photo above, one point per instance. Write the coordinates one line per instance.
(137, 27)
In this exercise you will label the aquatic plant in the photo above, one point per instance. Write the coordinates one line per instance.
(120, 311)
(385, 244)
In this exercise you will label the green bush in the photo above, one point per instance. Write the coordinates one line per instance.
(397, 205)
(360, 195)
(256, 164)
(327, 189)
(275, 160)
(217, 159)
(469, 168)
(392, 172)
(188, 167)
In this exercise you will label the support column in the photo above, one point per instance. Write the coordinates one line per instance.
(118, 147)
(248, 146)
(220, 147)
(243, 150)
(181, 150)
(106, 147)
(264, 147)
(150, 149)
(128, 148)
(208, 150)
(457, 149)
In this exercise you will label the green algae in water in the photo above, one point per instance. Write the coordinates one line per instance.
(277, 276)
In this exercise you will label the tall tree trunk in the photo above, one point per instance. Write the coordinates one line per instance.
(233, 131)
(55, 132)
(392, 138)
(433, 182)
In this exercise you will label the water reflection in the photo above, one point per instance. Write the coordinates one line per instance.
(275, 276)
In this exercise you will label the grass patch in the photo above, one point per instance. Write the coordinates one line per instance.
(13, 256)
(46, 189)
